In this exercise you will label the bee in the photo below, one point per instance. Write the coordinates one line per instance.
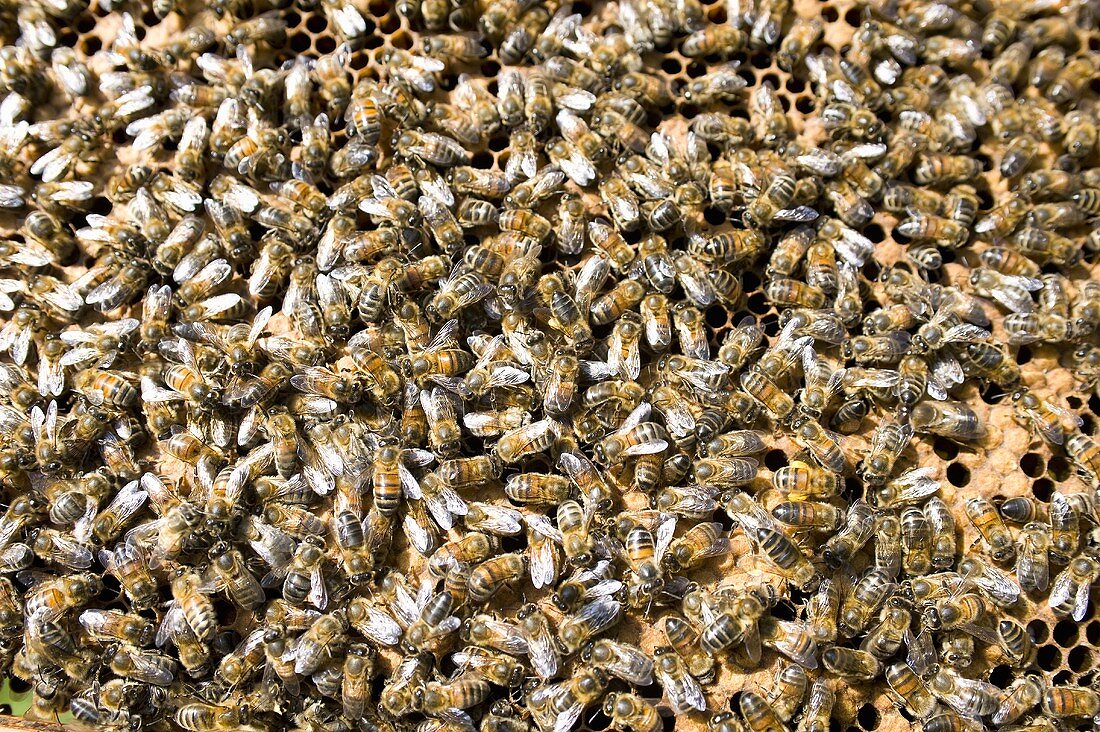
(267, 27)
(909, 688)
(621, 660)
(992, 529)
(149, 667)
(325, 636)
(784, 554)
(1085, 453)
(201, 716)
(1022, 695)
(954, 420)
(191, 594)
(1049, 421)
(851, 664)
(684, 692)
(965, 696)
(530, 439)
(630, 712)
(591, 619)
(765, 207)
(1070, 701)
(795, 293)
(238, 581)
(108, 625)
(489, 577)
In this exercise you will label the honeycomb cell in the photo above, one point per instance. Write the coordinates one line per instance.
(868, 717)
(1065, 633)
(1032, 465)
(300, 42)
(389, 24)
(1049, 657)
(1079, 659)
(958, 475)
(1039, 631)
(1042, 489)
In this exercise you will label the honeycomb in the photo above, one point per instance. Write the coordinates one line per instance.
(1010, 461)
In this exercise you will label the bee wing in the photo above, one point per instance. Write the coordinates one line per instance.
(437, 405)
(70, 553)
(130, 498)
(566, 718)
(436, 188)
(822, 162)
(64, 297)
(921, 653)
(543, 654)
(945, 370)
(274, 546)
(507, 376)
(444, 338)
(639, 414)
(579, 169)
(621, 207)
(318, 592)
(626, 360)
(543, 561)
(853, 247)
(20, 556)
(420, 536)
(965, 333)
(169, 625)
(79, 356)
(678, 418)
(1000, 587)
(631, 665)
(915, 485)
(1062, 588)
(684, 692)
(409, 483)
(242, 197)
(499, 520)
(1035, 566)
(220, 303)
(82, 527)
(439, 509)
(148, 668)
(259, 323)
(404, 606)
(21, 348)
(798, 213)
(53, 164)
(29, 253)
(663, 536)
(150, 392)
(1016, 300)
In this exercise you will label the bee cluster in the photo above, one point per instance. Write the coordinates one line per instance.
(319, 415)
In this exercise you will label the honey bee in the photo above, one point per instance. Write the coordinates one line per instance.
(1070, 701)
(145, 666)
(856, 531)
(684, 692)
(591, 619)
(989, 524)
(965, 696)
(851, 664)
(909, 688)
(954, 420)
(630, 712)
(1021, 695)
(191, 595)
